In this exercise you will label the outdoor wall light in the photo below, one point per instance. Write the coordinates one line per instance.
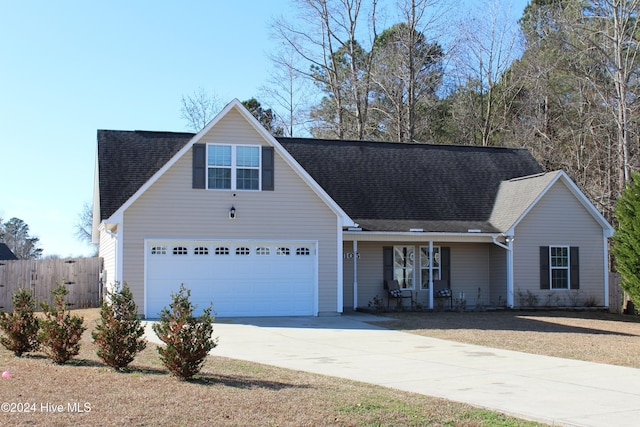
(232, 213)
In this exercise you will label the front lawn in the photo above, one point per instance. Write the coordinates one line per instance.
(582, 335)
(227, 393)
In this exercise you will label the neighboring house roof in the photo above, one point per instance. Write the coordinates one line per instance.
(399, 186)
(6, 254)
(518, 196)
(127, 159)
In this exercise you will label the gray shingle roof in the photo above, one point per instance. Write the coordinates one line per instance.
(516, 196)
(393, 186)
(6, 254)
(127, 159)
(382, 186)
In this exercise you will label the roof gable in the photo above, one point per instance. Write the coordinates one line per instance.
(129, 162)
(518, 196)
(434, 187)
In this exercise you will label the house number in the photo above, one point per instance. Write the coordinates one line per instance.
(349, 255)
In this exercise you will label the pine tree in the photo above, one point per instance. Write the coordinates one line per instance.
(187, 338)
(60, 332)
(119, 332)
(20, 326)
(626, 240)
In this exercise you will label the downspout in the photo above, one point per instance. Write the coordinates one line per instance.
(509, 248)
(355, 274)
(606, 268)
(430, 275)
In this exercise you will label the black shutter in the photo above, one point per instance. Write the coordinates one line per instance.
(445, 264)
(267, 169)
(199, 165)
(387, 263)
(574, 267)
(544, 267)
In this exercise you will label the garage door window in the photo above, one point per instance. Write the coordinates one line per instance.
(263, 251)
(221, 250)
(243, 251)
(283, 251)
(180, 250)
(303, 251)
(159, 250)
(201, 250)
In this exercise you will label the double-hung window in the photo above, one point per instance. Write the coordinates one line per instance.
(233, 167)
(559, 267)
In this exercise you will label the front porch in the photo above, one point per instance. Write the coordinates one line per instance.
(474, 268)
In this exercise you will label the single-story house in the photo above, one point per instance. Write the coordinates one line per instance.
(269, 226)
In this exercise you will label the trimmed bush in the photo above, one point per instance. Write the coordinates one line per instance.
(60, 332)
(187, 338)
(20, 327)
(119, 331)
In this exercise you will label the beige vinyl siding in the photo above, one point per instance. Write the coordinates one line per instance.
(369, 274)
(347, 277)
(470, 270)
(171, 209)
(558, 219)
(107, 251)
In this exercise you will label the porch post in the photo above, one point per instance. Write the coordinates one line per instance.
(430, 275)
(509, 241)
(355, 274)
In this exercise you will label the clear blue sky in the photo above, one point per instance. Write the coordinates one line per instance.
(68, 68)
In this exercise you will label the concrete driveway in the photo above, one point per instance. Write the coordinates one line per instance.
(547, 389)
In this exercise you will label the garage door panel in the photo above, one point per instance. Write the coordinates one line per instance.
(240, 278)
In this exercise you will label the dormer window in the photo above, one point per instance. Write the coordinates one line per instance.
(233, 167)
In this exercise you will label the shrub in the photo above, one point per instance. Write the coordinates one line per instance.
(187, 338)
(60, 332)
(119, 330)
(20, 326)
(626, 240)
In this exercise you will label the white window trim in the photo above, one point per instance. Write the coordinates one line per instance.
(234, 167)
(567, 268)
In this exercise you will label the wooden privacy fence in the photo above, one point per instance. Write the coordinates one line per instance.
(81, 276)
(616, 295)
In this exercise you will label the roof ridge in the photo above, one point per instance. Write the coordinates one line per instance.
(397, 143)
(146, 131)
(522, 178)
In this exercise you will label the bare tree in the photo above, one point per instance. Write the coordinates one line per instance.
(289, 92)
(608, 31)
(199, 108)
(326, 45)
(487, 46)
(84, 223)
(407, 72)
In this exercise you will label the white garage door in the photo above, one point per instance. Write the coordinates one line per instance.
(240, 278)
